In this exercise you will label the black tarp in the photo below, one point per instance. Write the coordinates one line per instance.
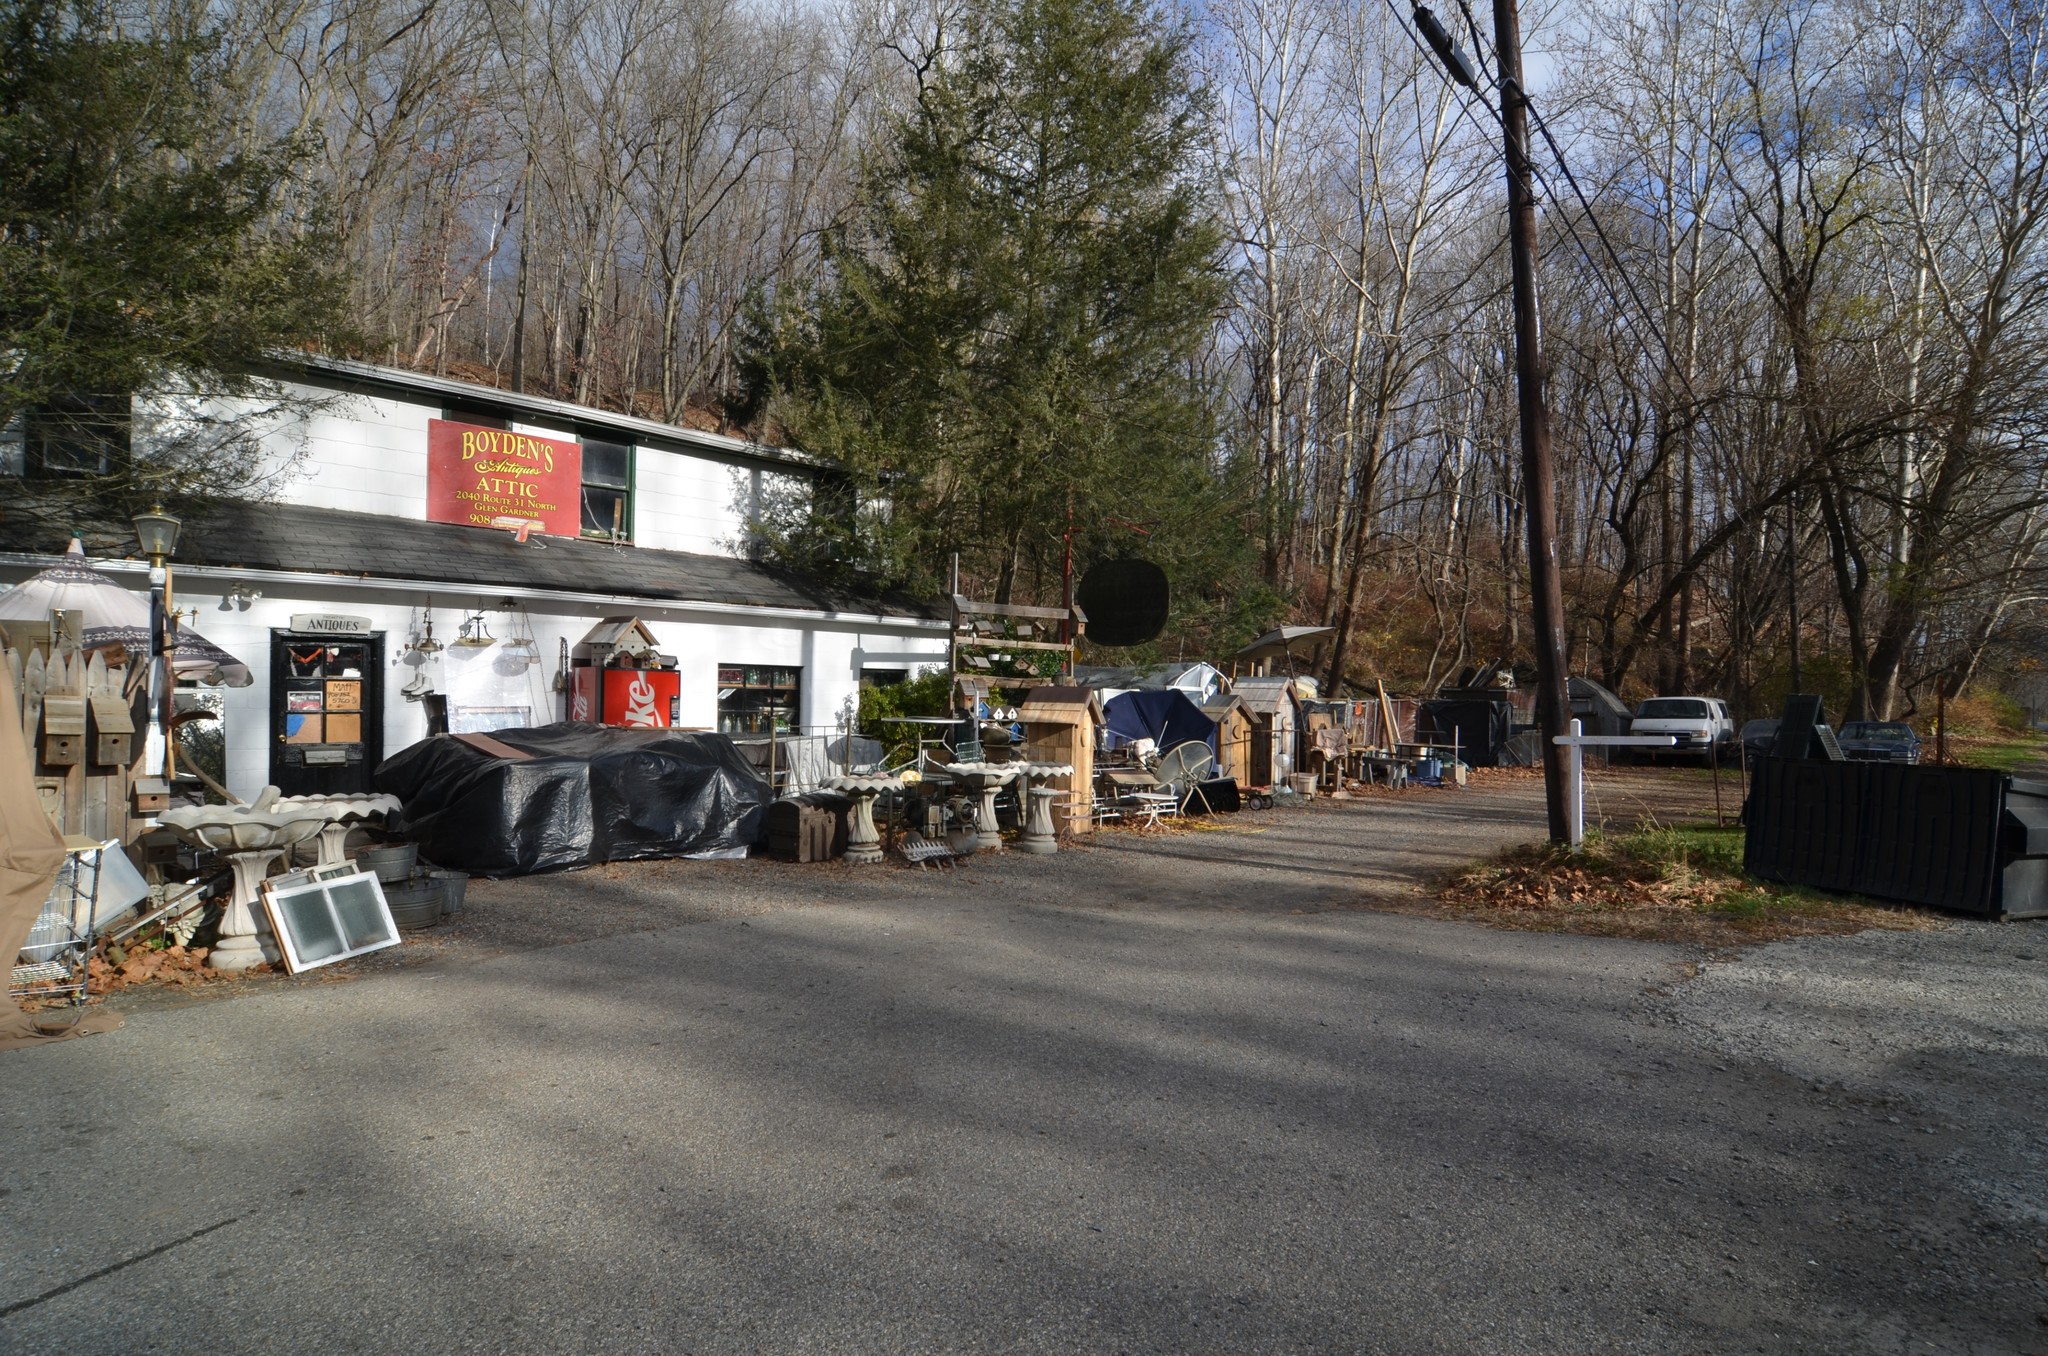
(584, 794)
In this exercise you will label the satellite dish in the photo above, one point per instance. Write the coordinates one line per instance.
(1125, 600)
(1183, 765)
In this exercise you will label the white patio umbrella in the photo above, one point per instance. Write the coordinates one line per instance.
(115, 616)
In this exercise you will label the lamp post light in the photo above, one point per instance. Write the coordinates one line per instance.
(157, 531)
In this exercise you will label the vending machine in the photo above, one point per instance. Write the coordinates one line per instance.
(618, 677)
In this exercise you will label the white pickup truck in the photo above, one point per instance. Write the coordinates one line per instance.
(1699, 725)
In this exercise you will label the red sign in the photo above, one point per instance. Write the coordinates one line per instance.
(630, 698)
(487, 477)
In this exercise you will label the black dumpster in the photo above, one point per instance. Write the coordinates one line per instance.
(1963, 839)
(1477, 729)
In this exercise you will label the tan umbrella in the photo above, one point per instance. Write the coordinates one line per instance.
(115, 616)
(31, 853)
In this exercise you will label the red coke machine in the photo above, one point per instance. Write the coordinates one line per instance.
(617, 677)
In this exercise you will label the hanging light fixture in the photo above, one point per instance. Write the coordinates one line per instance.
(475, 635)
(521, 648)
(520, 645)
(426, 644)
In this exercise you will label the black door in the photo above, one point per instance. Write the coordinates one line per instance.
(326, 712)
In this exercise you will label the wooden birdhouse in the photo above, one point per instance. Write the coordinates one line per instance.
(619, 642)
(113, 729)
(63, 730)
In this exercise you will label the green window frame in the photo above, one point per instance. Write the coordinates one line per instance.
(607, 489)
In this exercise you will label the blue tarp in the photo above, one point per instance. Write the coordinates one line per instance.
(1165, 717)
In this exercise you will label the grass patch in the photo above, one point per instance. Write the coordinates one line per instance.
(1664, 883)
(2008, 754)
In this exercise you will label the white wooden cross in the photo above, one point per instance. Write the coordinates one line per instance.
(1575, 788)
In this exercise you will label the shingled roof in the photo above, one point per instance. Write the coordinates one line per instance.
(300, 539)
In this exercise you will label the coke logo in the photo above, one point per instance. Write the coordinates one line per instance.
(640, 709)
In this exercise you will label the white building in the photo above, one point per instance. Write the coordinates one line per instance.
(380, 528)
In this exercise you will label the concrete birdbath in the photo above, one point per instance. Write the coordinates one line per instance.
(863, 843)
(1039, 834)
(251, 839)
(983, 780)
(343, 814)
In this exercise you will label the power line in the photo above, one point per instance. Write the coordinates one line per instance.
(1648, 319)
(1534, 169)
(1463, 107)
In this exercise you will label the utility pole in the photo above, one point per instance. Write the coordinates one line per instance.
(1539, 475)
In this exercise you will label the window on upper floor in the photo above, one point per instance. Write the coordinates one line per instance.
(607, 490)
(79, 436)
(462, 414)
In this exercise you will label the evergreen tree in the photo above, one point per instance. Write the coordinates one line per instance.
(140, 247)
(1014, 314)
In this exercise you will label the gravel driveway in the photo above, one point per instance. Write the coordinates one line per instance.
(1171, 1094)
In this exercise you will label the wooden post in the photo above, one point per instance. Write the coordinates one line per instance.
(1568, 746)
(1714, 752)
(1941, 720)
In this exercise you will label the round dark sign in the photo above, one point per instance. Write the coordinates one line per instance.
(1125, 601)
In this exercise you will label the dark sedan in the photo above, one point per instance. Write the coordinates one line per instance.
(1757, 737)
(1880, 741)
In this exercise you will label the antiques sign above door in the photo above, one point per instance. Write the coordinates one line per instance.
(489, 477)
(330, 624)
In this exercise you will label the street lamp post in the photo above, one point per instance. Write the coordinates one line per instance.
(157, 531)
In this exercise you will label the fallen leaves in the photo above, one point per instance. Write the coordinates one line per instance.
(174, 965)
(1638, 886)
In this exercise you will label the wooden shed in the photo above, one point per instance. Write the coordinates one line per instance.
(1063, 725)
(1275, 708)
(1235, 729)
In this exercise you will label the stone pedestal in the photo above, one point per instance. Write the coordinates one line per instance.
(251, 837)
(981, 781)
(333, 839)
(241, 946)
(863, 843)
(1038, 836)
(1040, 833)
(343, 813)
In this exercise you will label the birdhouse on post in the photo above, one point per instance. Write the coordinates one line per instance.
(63, 730)
(113, 729)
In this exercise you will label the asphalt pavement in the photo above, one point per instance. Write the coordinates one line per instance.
(971, 1115)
